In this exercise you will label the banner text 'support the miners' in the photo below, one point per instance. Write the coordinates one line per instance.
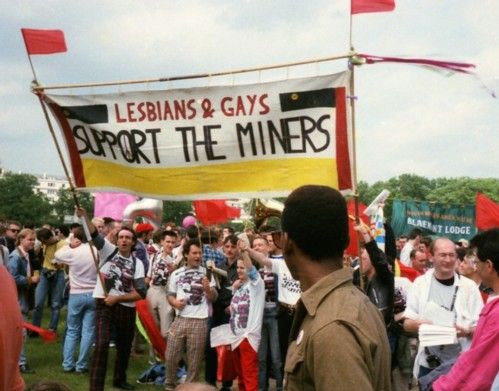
(213, 142)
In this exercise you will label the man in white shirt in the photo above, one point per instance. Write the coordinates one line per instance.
(161, 266)
(189, 291)
(442, 297)
(81, 305)
(412, 243)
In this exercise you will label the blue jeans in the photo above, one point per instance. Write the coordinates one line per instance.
(23, 303)
(54, 285)
(80, 323)
(270, 338)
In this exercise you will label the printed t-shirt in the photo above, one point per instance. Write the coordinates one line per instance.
(158, 270)
(270, 283)
(246, 310)
(186, 284)
(289, 290)
(118, 273)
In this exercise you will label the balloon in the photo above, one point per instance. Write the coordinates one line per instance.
(149, 209)
(188, 220)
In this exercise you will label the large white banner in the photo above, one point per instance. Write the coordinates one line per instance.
(254, 140)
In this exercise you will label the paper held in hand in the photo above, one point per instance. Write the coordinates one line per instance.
(431, 335)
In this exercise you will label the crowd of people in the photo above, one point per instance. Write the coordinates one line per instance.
(283, 301)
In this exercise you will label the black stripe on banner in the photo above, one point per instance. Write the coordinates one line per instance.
(299, 100)
(92, 114)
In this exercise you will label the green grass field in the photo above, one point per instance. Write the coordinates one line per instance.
(46, 360)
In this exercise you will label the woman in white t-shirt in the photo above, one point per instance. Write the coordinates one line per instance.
(246, 315)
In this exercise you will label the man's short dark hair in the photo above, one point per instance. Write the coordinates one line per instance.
(461, 252)
(189, 244)
(44, 234)
(108, 221)
(233, 239)
(80, 235)
(168, 232)
(316, 219)
(64, 229)
(13, 222)
(426, 240)
(74, 225)
(487, 245)
(192, 232)
(230, 229)
(415, 232)
(134, 235)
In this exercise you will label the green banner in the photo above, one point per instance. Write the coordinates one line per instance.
(453, 221)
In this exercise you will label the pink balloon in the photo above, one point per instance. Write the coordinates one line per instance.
(188, 220)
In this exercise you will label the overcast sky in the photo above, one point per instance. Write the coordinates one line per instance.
(409, 119)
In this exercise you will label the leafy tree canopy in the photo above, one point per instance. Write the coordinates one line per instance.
(19, 201)
(65, 205)
(460, 191)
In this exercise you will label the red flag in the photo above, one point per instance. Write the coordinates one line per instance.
(487, 212)
(406, 271)
(44, 41)
(152, 330)
(47, 335)
(363, 6)
(353, 248)
(215, 211)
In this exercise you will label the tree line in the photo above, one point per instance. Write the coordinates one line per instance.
(456, 191)
(19, 199)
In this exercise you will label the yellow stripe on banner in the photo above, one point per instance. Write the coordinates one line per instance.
(241, 177)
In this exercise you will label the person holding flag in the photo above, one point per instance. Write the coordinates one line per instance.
(124, 283)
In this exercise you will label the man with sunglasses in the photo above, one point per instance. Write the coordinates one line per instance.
(9, 239)
(338, 338)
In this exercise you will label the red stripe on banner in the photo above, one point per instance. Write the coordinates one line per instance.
(342, 151)
(74, 155)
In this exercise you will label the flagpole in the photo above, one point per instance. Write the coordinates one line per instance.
(354, 141)
(194, 76)
(70, 182)
(351, 28)
(29, 59)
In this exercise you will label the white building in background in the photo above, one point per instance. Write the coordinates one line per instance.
(50, 185)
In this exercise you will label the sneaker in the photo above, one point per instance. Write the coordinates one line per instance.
(26, 369)
(69, 370)
(112, 344)
(123, 385)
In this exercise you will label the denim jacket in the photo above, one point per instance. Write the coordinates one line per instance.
(18, 267)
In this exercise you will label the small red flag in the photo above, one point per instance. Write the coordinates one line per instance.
(487, 212)
(364, 6)
(353, 248)
(215, 211)
(44, 41)
(47, 335)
